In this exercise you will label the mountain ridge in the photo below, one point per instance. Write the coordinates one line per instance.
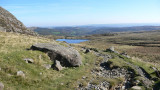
(89, 30)
(9, 23)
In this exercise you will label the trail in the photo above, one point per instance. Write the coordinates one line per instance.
(116, 72)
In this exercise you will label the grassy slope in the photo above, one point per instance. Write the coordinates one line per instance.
(13, 51)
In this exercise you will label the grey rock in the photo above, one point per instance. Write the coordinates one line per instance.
(101, 86)
(28, 60)
(83, 77)
(1, 86)
(125, 55)
(136, 88)
(68, 57)
(47, 66)
(9, 23)
(116, 52)
(156, 70)
(20, 73)
(123, 87)
(146, 81)
(111, 48)
(58, 66)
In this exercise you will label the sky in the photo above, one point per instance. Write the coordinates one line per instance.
(83, 12)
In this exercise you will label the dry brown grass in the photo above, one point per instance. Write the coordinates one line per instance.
(13, 41)
(144, 45)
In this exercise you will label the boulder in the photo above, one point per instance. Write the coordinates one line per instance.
(68, 57)
(20, 73)
(1, 86)
(57, 65)
(111, 49)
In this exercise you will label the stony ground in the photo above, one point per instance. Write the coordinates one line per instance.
(100, 70)
(103, 73)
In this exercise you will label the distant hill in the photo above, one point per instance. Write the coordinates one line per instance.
(9, 23)
(64, 31)
(89, 30)
(124, 29)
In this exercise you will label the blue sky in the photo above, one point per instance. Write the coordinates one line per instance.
(82, 12)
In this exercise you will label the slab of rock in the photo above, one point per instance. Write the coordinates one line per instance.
(1, 86)
(58, 66)
(20, 73)
(68, 57)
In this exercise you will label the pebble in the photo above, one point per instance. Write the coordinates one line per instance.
(20, 73)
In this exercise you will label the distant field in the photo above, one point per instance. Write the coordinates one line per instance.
(145, 45)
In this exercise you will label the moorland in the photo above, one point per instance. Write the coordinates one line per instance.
(126, 58)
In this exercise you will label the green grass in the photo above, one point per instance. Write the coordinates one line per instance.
(144, 65)
(13, 51)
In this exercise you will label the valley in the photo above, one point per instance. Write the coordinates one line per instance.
(102, 58)
(90, 30)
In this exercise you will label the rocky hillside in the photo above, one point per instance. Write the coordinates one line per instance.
(9, 23)
(36, 68)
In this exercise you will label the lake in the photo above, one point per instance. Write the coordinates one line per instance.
(73, 41)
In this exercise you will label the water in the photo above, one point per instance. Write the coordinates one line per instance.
(72, 40)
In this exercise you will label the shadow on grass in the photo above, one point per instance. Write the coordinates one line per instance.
(157, 86)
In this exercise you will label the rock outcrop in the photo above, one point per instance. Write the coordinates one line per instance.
(68, 57)
(9, 23)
